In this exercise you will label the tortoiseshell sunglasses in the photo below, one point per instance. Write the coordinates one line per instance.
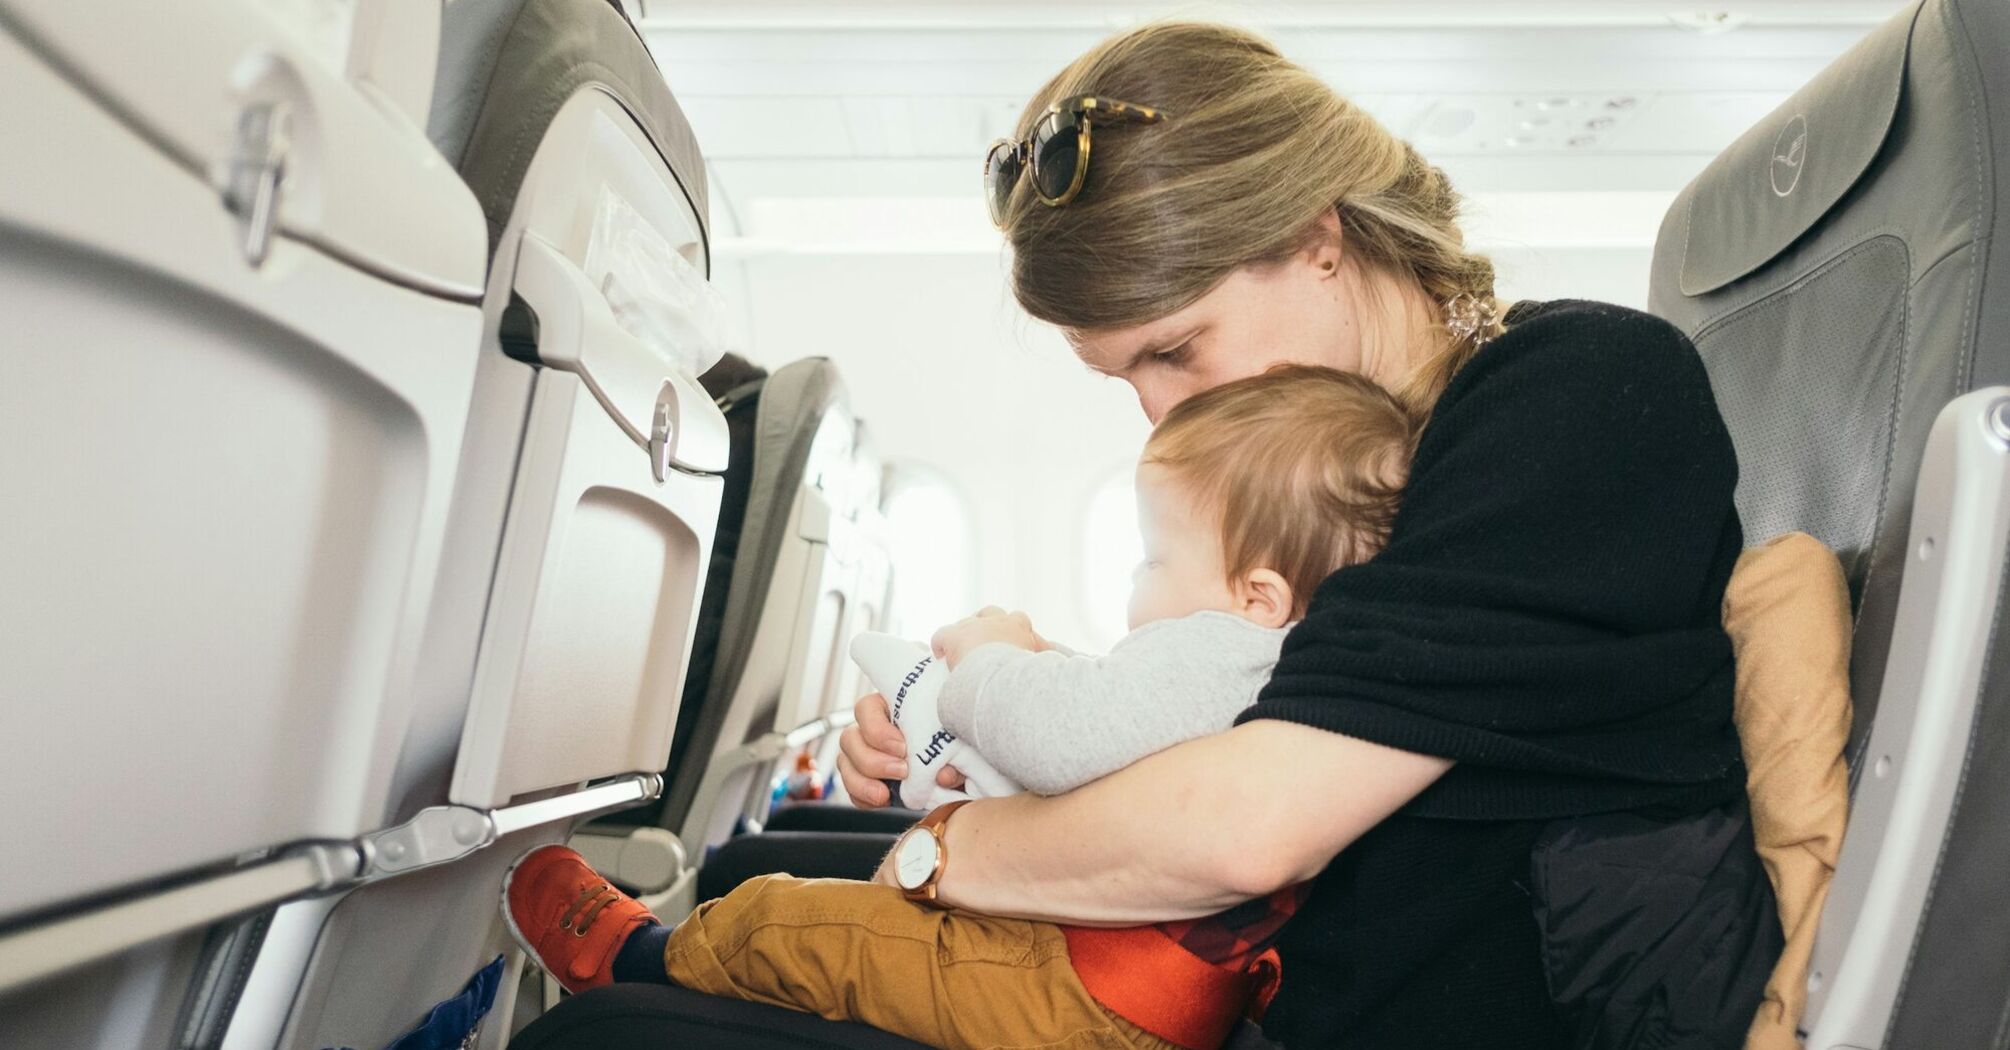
(1057, 152)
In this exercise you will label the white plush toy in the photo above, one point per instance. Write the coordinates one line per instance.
(910, 678)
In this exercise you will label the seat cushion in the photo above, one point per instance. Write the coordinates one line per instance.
(1787, 611)
(663, 1017)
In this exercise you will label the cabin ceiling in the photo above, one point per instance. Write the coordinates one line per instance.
(861, 126)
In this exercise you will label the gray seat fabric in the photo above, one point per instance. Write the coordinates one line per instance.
(1837, 318)
(506, 66)
(1835, 268)
(661, 1017)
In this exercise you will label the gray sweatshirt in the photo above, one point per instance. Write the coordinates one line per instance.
(1056, 720)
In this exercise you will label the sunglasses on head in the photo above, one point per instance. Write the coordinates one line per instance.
(1057, 152)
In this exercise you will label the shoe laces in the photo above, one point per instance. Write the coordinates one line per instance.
(591, 902)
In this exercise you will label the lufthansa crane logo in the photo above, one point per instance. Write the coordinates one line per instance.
(1790, 155)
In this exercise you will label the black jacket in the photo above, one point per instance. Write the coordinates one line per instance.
(1547, 614)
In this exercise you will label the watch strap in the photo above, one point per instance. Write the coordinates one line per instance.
(940, 815)
(933, 823)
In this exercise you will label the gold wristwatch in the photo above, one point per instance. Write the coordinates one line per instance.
(921, 853)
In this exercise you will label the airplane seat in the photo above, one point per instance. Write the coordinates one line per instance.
(581, 524)
(1840, 268)
(231, 430)
(638, 858)
(804, 572)
(735, 386)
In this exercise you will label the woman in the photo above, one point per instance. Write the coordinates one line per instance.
(1487, 746)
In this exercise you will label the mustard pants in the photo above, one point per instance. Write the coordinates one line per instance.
(856, 951)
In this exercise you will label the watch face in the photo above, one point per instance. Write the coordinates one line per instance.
(914, 858)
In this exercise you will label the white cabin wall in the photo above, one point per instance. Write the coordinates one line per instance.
(946, 372)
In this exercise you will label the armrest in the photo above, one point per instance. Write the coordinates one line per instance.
(825, 816)
(805, 854)
(1911, 772)
(726, 765)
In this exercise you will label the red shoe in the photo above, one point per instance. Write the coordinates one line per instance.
(567, 917)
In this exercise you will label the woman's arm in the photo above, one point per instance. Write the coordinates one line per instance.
(1185, 833)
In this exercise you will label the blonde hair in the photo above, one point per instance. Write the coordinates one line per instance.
(1255, 150)
(1302, 467)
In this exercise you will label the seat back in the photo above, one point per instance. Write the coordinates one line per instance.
(802, 430)
(805, 570)
(736, 386)
(230, 432)
(581, 525)
(1838, 270)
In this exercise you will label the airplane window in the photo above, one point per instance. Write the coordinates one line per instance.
(1110, 551)
(928, 527)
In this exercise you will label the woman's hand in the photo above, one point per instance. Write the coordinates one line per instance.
(874, 751)
(991, 624)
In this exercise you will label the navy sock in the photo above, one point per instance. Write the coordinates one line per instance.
(640, 959)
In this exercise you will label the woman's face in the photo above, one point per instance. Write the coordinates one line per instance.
(1298, 311)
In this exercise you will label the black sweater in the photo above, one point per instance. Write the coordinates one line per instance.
(1547, 613)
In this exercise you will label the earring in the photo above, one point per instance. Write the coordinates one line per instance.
(1468, 316)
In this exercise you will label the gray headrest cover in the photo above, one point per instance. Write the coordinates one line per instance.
(1783, 175)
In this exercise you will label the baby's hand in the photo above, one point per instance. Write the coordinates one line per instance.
(991, 624)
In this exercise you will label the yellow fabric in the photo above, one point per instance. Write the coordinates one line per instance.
(1787, 612)
(856, 951)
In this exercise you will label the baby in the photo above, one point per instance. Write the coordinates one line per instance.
(1249, 495)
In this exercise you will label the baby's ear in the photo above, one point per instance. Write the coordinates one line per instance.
(1266, 599)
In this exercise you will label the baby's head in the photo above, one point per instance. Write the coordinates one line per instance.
(1252, 493)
